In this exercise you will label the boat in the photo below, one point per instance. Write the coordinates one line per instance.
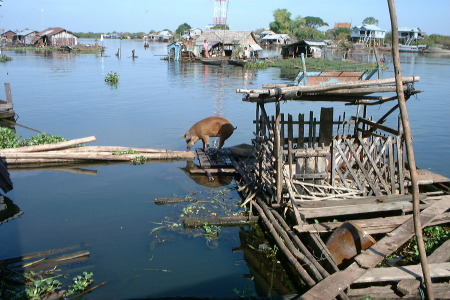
(214, 60)
(411, 48)
(238, 62)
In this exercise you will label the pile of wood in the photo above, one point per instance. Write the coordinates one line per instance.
(74, 151)
(349, 91)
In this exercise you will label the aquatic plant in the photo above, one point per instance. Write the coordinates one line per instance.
(112, 78)
(80, 283)
(256, 65)
(139, 160)
(4, 58)
(9, 139)
(322, 65)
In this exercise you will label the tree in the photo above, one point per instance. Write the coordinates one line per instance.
(283, 22)
(220, 27)
(370, 21)
(309, 33)
(182, 28)
(314, 22)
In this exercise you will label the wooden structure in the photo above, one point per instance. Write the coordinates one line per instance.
(307, 169)
(6, 106)
(55, 37)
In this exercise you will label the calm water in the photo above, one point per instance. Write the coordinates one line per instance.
(111, 212)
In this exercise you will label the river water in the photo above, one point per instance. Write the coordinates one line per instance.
(110, 210)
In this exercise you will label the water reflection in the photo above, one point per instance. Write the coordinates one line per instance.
(203, 180)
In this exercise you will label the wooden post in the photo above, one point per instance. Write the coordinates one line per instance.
(278, 154)
(409, 150)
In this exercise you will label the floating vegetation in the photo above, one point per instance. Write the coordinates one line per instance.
(322, 65)
(4, 58)
(256, 65)
(9, 139)
(139, 160)
(112, 78)
(200, 204)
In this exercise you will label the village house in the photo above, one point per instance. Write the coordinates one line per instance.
(342, 25)
(55, 37)
(226, 42)
(192, 33)
(165, 36)
(368, 35)
(266, 33)
(407, 35)
(24, 37)
(276, 39)
(310, 48)
(8, 36)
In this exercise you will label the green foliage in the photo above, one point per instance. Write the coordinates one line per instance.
(80, 284)
(4, 58)
(220, 27)
(283, 22)
(304, 33)
(256, 65)
(433, 237)
(370, 21)
(244, 293)
(9, 139)
(211, 229)
(340, 33)
(40, 287)
(129, 151)
(182, 28)
(112, 78)
(139, 160)
(436, 39)
(314, 22)
(322, 65)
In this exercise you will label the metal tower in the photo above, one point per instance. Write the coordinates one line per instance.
(220, 12)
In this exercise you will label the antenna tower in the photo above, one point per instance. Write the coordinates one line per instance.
(220, 12)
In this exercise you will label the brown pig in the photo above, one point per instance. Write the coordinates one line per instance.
(214, 126)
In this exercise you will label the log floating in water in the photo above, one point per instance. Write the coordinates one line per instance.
(220, 221)
(173, 200)
(67, 152)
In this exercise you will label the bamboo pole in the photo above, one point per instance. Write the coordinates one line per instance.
(96, 156)
(409, 150)
(326, 87)
(52, 146)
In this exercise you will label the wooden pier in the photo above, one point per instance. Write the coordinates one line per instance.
(310, 177)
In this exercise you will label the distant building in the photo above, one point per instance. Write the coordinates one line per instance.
(8, 36)
(165, 36)
(266, 33)
(226, 42)
(24, 37)
(192, 33)
(276, 39)
(368, 34)
(407, 35)
(310, 48)
(343, 25)
(55, 37)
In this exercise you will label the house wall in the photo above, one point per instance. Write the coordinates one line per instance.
(63, 38)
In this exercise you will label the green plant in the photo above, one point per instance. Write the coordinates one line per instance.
(244, 293)
(211, 229)
(42, 138)
(129, 151)
(112, 78)
(8, 138)
(139, 160)
(256, 65)
(4, 58)
(80, 283)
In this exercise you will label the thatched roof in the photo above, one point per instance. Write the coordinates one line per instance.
(227, 37)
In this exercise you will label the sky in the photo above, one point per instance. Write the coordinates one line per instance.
(102, 16)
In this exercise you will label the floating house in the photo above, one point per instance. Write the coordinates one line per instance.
(266, 33)
(192, 33)
(368, 34)
(24, 37)
(276, 39)
(55, 37)
(310, 48)
(8, 36)
(165, 36)
(224, 42)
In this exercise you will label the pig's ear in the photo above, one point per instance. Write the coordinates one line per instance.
(187, 136)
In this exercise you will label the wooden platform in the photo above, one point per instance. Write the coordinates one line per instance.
(6, 106)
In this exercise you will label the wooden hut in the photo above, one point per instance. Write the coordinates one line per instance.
(55, 37)
(224, 42)
(310, 48)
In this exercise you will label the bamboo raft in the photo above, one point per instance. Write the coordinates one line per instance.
(74, 151)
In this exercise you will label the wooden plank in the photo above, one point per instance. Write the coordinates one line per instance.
(331, 286)
(376, 125)
(405, 272)
(370, 226)
(357, 201)
(8, 92)
(311, 213)
(441, 254)
(440, 290)
(326, 126)
(428, 177)
(227, 171)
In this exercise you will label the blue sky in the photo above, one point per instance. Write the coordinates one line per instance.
(432, 16)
